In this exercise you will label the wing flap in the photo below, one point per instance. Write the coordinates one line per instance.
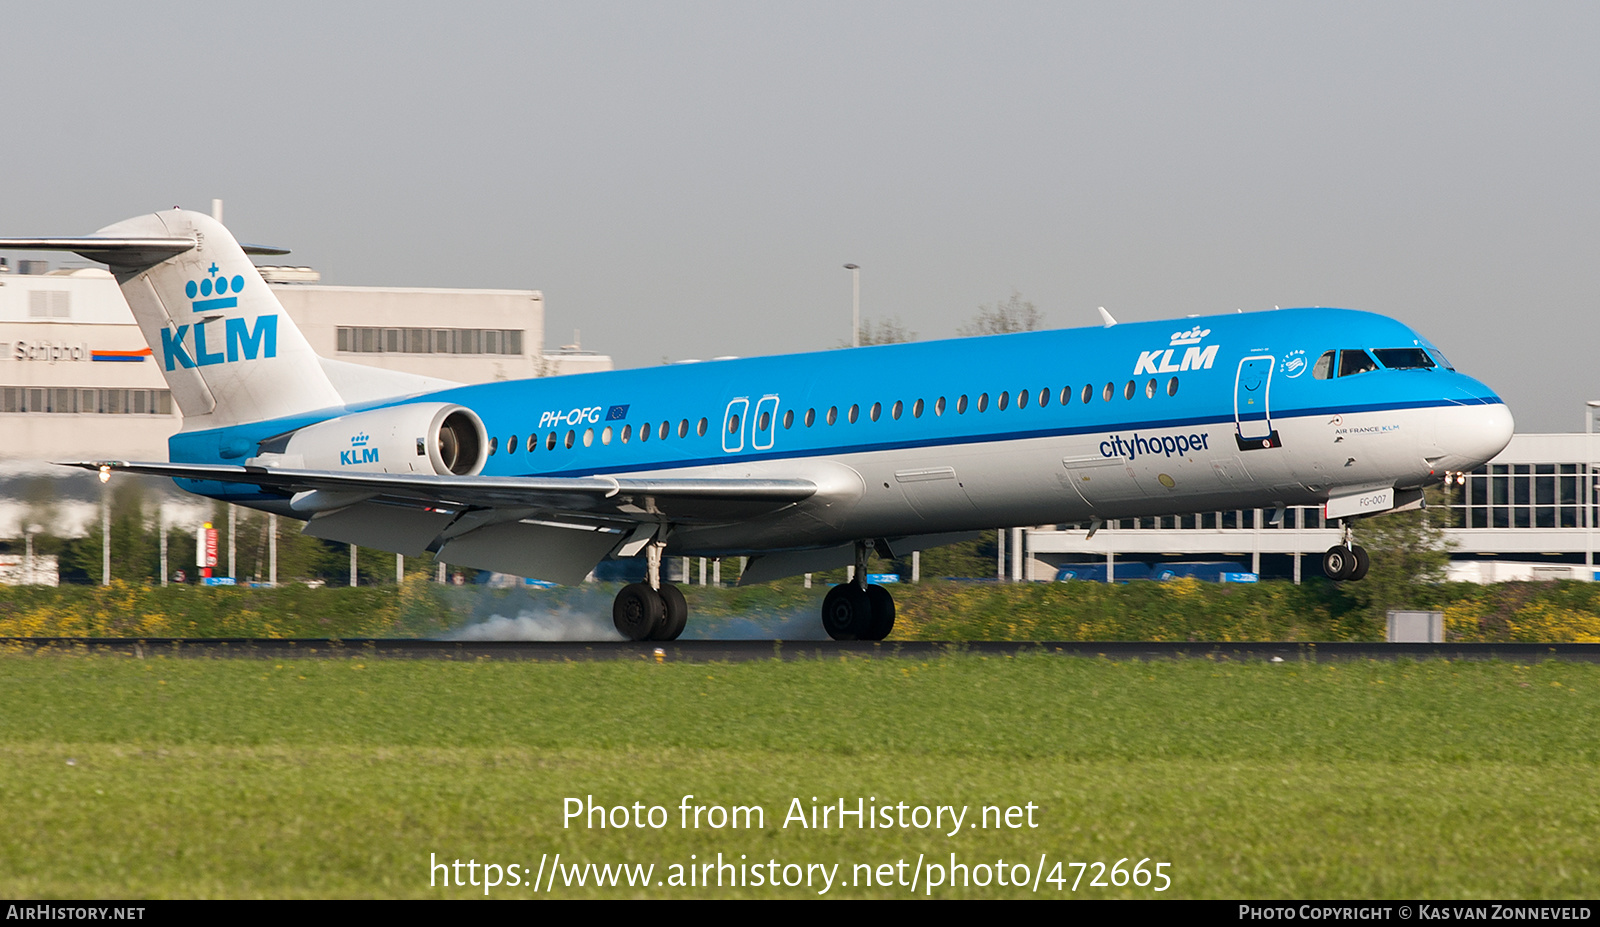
(404, 530)
(558, 553)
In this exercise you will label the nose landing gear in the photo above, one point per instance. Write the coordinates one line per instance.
(1346, 561)
(857, 611)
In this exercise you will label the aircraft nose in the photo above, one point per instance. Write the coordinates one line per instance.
(1473, 435)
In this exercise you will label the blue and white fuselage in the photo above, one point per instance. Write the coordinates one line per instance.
(1027, 428)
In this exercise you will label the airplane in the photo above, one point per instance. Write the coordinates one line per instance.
(800, 462)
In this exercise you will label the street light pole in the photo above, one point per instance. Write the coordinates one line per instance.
(1588, 489)
(855, 302)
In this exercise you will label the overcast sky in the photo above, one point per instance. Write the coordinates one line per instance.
(687, 179)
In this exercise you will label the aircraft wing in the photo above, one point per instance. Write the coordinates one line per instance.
(617, 500)
(554, 528)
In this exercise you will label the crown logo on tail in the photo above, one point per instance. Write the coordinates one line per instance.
(201, 292)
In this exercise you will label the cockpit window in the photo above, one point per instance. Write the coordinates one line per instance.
(1404, 358)
(1354, 362)
(1443, 361)
(1324, 368)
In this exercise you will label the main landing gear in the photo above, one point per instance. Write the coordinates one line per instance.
(1346, 561)
(651, 610)
(856, 611)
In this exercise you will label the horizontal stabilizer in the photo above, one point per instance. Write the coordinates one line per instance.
(124, 252)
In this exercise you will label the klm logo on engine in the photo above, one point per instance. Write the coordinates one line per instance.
(1194, 357)
(359, 453)
(240, 339)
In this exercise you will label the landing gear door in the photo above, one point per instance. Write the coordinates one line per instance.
(733, 425)
(1251, 414)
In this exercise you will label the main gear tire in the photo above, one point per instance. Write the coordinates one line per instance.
(677, 614)
(847, 613)
(882, 613)
(637, 611)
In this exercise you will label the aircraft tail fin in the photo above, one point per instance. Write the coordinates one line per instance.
(229, 352)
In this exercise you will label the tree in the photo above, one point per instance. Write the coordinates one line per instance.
(1409, 553)
(1014, 315)
(886, 331)
(135, 557)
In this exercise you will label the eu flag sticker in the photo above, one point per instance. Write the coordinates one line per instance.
(616, 413)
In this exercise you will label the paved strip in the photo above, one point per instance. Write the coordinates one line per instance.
(739, 651)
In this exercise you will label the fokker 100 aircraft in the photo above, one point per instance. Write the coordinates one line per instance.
(801, 462)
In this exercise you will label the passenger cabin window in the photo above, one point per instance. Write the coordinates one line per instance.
(1404, 358)
(1324, 368)
(1352, 362)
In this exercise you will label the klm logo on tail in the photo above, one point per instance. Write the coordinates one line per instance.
(359, 453)
(240, 340)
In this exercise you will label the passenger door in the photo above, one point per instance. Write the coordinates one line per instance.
(1252, 415)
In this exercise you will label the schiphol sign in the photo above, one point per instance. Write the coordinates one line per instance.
(47, 351)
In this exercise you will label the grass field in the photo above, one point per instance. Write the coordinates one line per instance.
(1182, 610)
(338, 778)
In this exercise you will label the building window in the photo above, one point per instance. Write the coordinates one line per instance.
(72, 399)
(474, 341)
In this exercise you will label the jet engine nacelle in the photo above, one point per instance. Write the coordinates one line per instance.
(423, 437)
